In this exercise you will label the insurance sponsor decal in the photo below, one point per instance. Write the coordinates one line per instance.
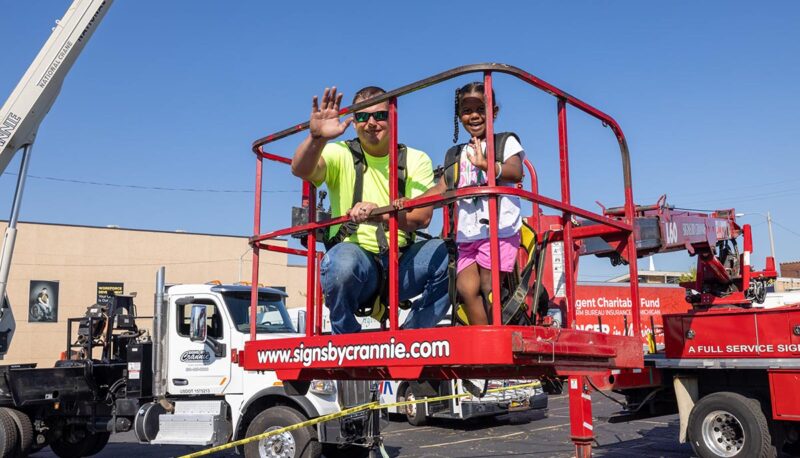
(607, 308)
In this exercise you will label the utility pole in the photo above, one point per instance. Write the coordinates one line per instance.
(771, 239)
(769, 227)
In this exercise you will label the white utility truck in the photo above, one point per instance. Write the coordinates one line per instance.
(180, 386)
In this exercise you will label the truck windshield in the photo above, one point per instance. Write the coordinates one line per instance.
(271, 315)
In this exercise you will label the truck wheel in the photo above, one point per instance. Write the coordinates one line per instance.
(9, 438)
(300, 443)
(415, 413)
(24, 430)
(77, 442)
(100, 442)
(729, 425)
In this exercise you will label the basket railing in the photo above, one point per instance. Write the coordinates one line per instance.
(618, 229)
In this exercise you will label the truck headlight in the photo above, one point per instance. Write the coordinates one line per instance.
(322, 387)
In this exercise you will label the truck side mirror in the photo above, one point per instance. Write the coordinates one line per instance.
(301, 321)
(197, 325)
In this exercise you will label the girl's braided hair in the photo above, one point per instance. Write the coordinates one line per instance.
(475, 86)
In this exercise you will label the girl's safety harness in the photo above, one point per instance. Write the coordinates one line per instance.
(514, 303)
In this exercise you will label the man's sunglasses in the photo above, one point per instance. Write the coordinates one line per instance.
(363, 116)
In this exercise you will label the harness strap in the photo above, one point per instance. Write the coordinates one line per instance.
(516, 302)
(376, 308)
(349, 228)
(451, 172)
(452, 273)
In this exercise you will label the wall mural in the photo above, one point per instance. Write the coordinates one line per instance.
(43, 302)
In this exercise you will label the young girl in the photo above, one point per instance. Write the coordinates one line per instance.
(474, 277)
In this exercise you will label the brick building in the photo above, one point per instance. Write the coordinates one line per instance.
(790, 269)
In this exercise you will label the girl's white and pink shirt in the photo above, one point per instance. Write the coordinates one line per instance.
(473, 214)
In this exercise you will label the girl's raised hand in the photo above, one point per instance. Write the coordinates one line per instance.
(324, 122)
(476, 156)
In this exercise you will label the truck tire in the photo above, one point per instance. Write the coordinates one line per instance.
(24, 430)
(300, 443)
(100, 442)
(729, 425)
(9, 437)
(77, 442)
(415, 413)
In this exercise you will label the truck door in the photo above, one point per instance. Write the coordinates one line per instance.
(197, 367)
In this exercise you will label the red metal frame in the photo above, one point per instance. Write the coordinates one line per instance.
(580, 415)
(494, 241)
(473, 351)
(618, 226)
(393, 192)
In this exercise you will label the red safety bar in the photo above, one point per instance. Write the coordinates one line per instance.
(459, 351)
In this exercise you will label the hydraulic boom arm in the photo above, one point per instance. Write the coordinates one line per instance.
(724, 275)
(25, 109)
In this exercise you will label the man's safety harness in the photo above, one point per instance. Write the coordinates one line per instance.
(377, 308)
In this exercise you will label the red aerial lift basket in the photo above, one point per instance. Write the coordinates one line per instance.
(496, 351)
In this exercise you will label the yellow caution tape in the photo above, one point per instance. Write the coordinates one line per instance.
(275, 432)
(369, 406)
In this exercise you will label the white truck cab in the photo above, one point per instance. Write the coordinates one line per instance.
(181, 386)
(209, 399)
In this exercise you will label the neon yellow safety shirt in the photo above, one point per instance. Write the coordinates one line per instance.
(340, 176)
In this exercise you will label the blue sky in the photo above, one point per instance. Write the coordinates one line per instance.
(171, 94)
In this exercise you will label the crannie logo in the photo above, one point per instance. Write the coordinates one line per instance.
(195, 356)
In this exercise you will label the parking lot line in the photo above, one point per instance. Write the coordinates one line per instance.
(416, 428)
(557, 408)
(659, 423)
(444, 444)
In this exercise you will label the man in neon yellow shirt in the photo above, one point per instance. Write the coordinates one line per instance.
(350, 270)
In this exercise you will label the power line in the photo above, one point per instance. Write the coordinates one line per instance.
(753, 197)
(738, 187)
(150, 188)
(785, 228)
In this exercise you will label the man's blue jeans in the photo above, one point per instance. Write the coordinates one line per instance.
(350, 277)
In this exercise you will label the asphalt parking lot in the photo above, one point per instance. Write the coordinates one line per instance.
(520, 434)
(535, 434)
